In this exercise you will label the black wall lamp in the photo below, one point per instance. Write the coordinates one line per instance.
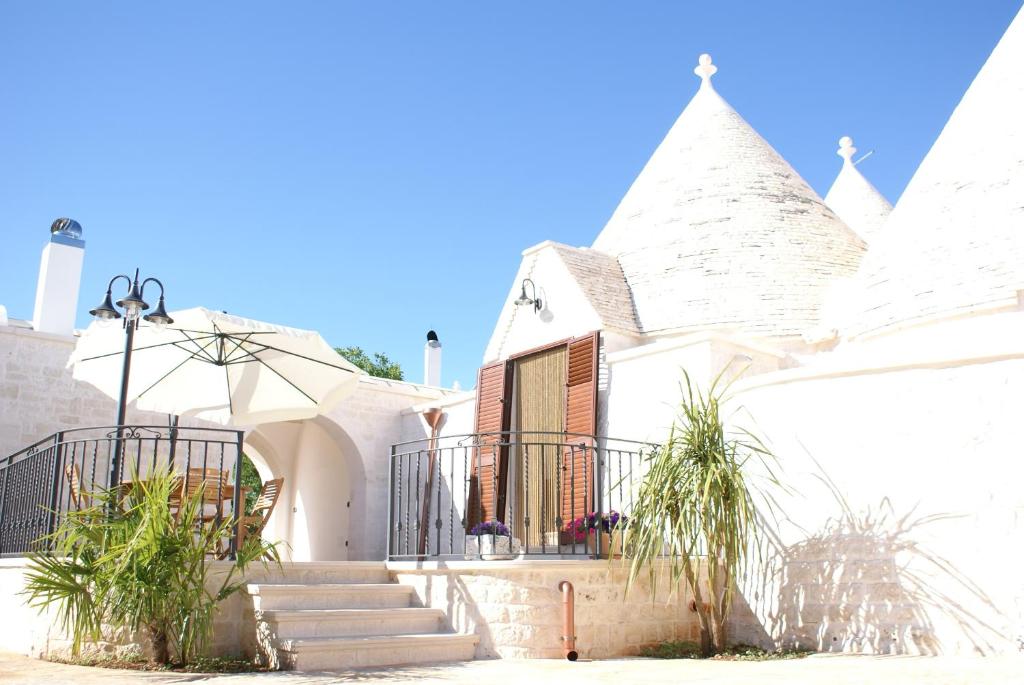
(524, 301)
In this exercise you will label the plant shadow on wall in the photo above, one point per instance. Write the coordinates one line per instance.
(695, 507)
(864, 583)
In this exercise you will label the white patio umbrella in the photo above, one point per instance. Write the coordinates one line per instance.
(218, 367)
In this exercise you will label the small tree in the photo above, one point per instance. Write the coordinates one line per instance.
(379, 365)
(131, 562)
(694, 506)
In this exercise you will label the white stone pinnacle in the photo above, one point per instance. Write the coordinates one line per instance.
(846, 149)
(705, 69)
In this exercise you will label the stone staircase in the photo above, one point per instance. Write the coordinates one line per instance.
(349, 615)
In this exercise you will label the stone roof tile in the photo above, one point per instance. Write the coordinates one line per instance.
(718, 230)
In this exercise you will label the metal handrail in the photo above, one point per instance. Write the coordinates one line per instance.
(40, 483)
(464, 436)
(437, 488)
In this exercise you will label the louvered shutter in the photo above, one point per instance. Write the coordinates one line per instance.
(489, 468)
(581, 371)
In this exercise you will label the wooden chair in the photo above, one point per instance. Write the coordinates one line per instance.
(74, 478)
(261, 511)
(211, 481)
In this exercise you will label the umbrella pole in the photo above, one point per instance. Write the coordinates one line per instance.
(172, 421)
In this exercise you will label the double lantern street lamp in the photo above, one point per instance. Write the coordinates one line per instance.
(133, 305)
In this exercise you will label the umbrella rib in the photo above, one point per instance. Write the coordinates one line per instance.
(164, 377)
(302, 356)
(279, 374)
(139, 349)
(227, 382)
(200, 348)
(181, 364)
(238, 345)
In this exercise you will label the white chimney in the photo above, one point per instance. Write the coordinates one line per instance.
(432, 360)
(60, 274)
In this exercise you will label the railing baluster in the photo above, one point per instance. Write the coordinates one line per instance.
(399, 512)
(572, 497)
(526, 496)
(451, 503)
(543, 505)
(440, 477)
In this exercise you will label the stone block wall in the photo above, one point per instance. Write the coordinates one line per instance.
(38, 395)
(516, 607)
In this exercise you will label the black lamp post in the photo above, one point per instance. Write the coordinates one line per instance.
(133, 305)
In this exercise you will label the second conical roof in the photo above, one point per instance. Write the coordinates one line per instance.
(718, 230)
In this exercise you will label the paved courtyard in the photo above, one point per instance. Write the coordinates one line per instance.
(830, 670)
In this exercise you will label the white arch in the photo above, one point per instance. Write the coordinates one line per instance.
(323, 473)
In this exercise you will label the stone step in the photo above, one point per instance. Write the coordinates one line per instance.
(323, 654)
(271, 596)
(301, 572)
(307, 623)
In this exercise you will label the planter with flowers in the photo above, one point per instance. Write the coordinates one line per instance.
(602, 534)
(491, 540)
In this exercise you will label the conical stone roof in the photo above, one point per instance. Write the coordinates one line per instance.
(955, 241)
(854, 199)
(719, 231)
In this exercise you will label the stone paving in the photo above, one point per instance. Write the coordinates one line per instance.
(832, 670)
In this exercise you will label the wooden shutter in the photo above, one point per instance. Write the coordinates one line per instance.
(581, 372)
(489, 470)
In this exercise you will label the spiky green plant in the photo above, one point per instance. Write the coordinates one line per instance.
(694, 506)
(132, 561)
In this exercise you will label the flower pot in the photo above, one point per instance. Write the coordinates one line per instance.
(611, 543)
(491, 547)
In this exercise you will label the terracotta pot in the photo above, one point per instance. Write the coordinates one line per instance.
(611, 543)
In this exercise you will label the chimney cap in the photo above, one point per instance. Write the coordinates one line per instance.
(432, 337)
(67, 227)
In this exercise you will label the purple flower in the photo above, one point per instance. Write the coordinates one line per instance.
(613, 520)
(490, 528)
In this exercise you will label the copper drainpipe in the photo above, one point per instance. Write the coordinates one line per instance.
(568, 620)
(433, 418)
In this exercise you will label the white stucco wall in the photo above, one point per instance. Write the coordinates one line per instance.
(645, 383)
(903, 526)
(566, 312)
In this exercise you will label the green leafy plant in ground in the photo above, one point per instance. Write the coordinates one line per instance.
(740, 652)
(134, 560)
(694, 507)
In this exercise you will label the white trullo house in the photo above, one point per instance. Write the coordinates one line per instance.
(881, 353)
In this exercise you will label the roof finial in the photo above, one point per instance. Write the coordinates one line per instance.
(846, 150)
(705, 69)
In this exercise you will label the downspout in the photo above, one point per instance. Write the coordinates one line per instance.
(433, 418)
(568, 620)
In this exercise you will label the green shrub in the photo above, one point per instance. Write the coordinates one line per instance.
(695, 506)
(130, 560)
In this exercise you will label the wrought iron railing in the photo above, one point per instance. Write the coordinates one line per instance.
(545, 488)
(41, 483)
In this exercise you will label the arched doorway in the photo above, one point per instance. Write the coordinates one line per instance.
(318, 461)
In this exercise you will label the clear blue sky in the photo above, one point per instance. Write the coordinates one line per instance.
(373, 170)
